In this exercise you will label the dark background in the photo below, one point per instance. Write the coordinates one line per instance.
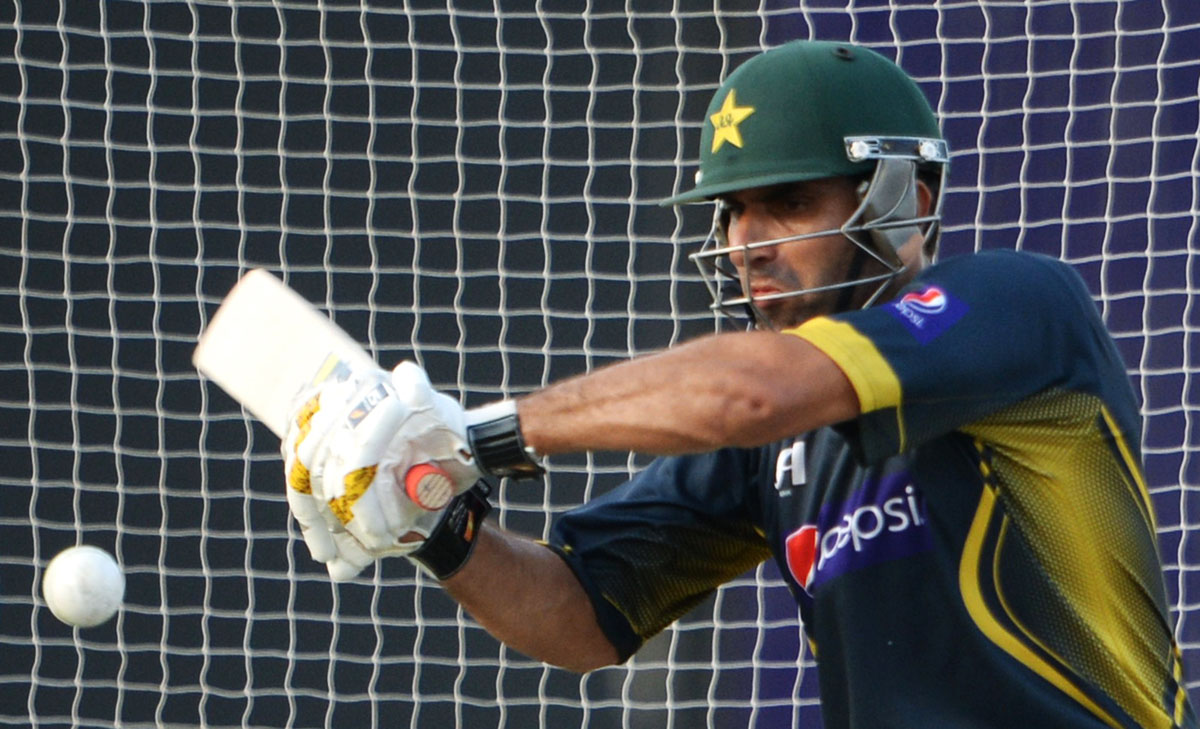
(475, 186)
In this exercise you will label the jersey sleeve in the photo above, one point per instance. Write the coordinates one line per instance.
(653, 548)
(966, 338)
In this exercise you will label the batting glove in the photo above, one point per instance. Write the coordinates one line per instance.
(347, 451)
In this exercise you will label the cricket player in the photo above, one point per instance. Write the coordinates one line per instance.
(943, 459)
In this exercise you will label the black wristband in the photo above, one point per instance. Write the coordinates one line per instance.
(450, 543)
(498, 446)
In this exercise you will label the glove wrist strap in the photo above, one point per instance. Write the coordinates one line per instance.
(451, 542)
(494, 434)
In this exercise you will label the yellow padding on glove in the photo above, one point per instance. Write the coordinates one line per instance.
(298, 478)
(356, 484)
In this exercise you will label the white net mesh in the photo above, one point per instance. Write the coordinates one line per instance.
(476, 187)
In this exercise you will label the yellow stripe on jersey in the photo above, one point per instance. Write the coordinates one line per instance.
(969, 582)
(873, 379)
(1055, 571)
(1132, 465)
(1143, 493)
(1181, 696)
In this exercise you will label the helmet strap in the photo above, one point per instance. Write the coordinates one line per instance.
(889, 196)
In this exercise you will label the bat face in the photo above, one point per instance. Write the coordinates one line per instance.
(266, 342)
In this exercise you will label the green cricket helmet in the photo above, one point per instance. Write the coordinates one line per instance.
(808, 110)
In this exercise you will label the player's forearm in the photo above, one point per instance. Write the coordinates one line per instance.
(528, 598)
(741, 389)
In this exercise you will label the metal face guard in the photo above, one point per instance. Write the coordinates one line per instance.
(884, 220)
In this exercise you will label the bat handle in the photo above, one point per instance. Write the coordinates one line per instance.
(428, 486)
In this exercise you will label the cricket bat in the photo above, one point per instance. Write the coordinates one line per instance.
(266, 343)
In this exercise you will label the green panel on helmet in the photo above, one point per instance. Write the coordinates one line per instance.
(783, 115)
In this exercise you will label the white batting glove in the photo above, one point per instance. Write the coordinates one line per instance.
(436, 425)
(350, 444)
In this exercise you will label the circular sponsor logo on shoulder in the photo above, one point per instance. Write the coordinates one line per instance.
(930, 301)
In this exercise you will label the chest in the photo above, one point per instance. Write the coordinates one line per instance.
(830, 518)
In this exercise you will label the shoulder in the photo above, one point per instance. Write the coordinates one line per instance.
(1017, 277)
(1003, 262)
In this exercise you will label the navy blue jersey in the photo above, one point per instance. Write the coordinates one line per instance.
(977, 548)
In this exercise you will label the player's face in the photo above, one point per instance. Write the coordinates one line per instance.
(781, 211)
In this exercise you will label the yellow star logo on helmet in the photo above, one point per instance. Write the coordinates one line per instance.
(725, 122)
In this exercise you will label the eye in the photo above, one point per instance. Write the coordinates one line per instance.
(792, 202)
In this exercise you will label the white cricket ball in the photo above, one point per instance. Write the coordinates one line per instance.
(83, 586)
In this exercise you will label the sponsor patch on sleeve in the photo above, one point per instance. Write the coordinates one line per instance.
(927, 313)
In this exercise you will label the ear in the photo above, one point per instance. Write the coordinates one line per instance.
(924, 198)
(925, 207)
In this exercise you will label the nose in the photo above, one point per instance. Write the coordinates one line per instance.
(744, 229)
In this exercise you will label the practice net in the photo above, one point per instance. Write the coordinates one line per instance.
(475, 186)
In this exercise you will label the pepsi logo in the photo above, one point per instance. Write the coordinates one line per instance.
(802, 554)
(927, 313)
(930, 301)
(882, 521)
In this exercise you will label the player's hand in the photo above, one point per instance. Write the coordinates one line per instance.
(349, 445)
(436, 425)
